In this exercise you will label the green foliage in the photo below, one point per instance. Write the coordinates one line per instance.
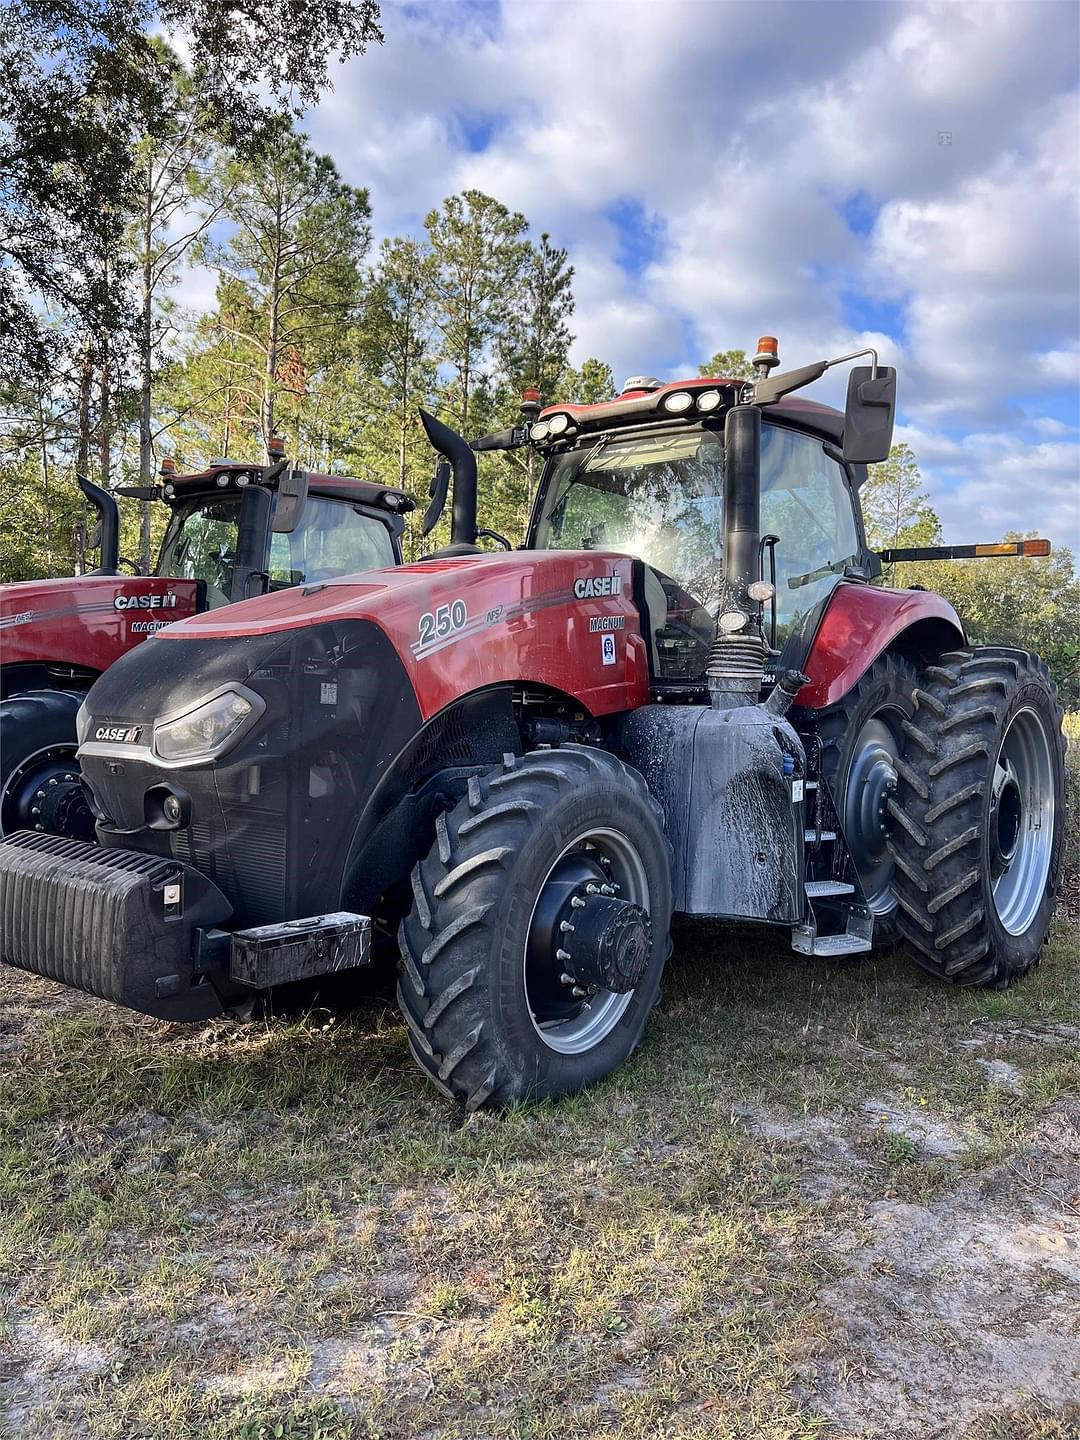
(82, 86)
(1034, 604)
(728, 365)
(590, 385)
(896, 508)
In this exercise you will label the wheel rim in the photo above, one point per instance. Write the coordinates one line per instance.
(871, 781)
(1020, 821)
(566, 1024)
(43, 792)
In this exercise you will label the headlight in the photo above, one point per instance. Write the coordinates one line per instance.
(540, 430)
(557, 424)
(205, 731)
(82, 723)
(708, 400)
(678, 402)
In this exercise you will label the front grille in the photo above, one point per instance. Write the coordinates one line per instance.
(246, 862)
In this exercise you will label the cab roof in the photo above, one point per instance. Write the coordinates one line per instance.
(334, 487)
(639, 403)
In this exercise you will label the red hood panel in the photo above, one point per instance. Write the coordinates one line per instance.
(87, 620)
(561, 618)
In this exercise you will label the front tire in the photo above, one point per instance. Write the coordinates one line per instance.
(492, 1020)
(39, 772)
(979, 815)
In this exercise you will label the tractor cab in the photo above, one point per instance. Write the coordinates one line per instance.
(739, 498)
(243, 530)
(655, 491)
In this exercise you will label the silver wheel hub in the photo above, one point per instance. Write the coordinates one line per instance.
(1020, 821)
(597, 888)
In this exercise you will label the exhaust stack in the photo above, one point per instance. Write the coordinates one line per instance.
(463, 463)
(737, 658)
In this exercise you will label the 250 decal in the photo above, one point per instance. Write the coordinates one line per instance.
(443, 622)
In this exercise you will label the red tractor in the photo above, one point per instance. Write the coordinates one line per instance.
(235, 530)
(683, 695)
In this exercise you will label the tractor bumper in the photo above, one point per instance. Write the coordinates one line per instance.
(146, 931)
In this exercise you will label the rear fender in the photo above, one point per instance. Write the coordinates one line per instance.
(860, 622)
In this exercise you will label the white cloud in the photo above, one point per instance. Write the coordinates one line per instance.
(749, 131)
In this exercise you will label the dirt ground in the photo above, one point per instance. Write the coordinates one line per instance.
(818, 1202)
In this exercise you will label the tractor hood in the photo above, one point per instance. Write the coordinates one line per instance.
(563, 619)
(88, 621)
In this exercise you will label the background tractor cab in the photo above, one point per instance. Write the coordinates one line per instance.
(235, 530)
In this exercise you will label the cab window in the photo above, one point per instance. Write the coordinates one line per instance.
(333, 538)
(806, 502)
(200, 544)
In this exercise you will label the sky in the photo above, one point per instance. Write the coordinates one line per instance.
(838, 173)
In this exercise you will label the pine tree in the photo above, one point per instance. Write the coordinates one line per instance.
(896, 506)
(290, 274)
(728, 365)
(479, 257)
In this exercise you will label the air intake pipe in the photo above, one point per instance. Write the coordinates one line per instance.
(737, 657)
(109, 523)
(463, 463)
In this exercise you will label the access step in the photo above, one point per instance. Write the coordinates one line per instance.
(811, 837)
(839, 945)
(819, 889)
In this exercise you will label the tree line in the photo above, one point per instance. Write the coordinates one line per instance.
(313, 336)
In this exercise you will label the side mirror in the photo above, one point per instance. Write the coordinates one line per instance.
(869, 414)
(292, 490)
(438, 490)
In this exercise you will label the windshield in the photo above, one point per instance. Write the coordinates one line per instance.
(200, 544)
(333, 538)
(660, 498)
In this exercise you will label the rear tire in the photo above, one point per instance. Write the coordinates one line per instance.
(476, 991)
(978, 828)
(863, 739)
(37, 757)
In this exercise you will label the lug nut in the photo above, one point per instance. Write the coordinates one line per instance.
(578, 993)
(592, 889)
(577, 902)
(565, 979)
(52, 780)
(566, 927)
(35, 810)
(607, 890)
(563, 956)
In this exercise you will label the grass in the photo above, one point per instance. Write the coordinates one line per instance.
(277, 1230)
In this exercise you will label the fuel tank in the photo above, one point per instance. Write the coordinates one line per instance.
(731, 784)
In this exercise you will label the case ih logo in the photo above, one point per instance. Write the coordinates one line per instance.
(146, 602)
(602, 585)
(118, 734)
